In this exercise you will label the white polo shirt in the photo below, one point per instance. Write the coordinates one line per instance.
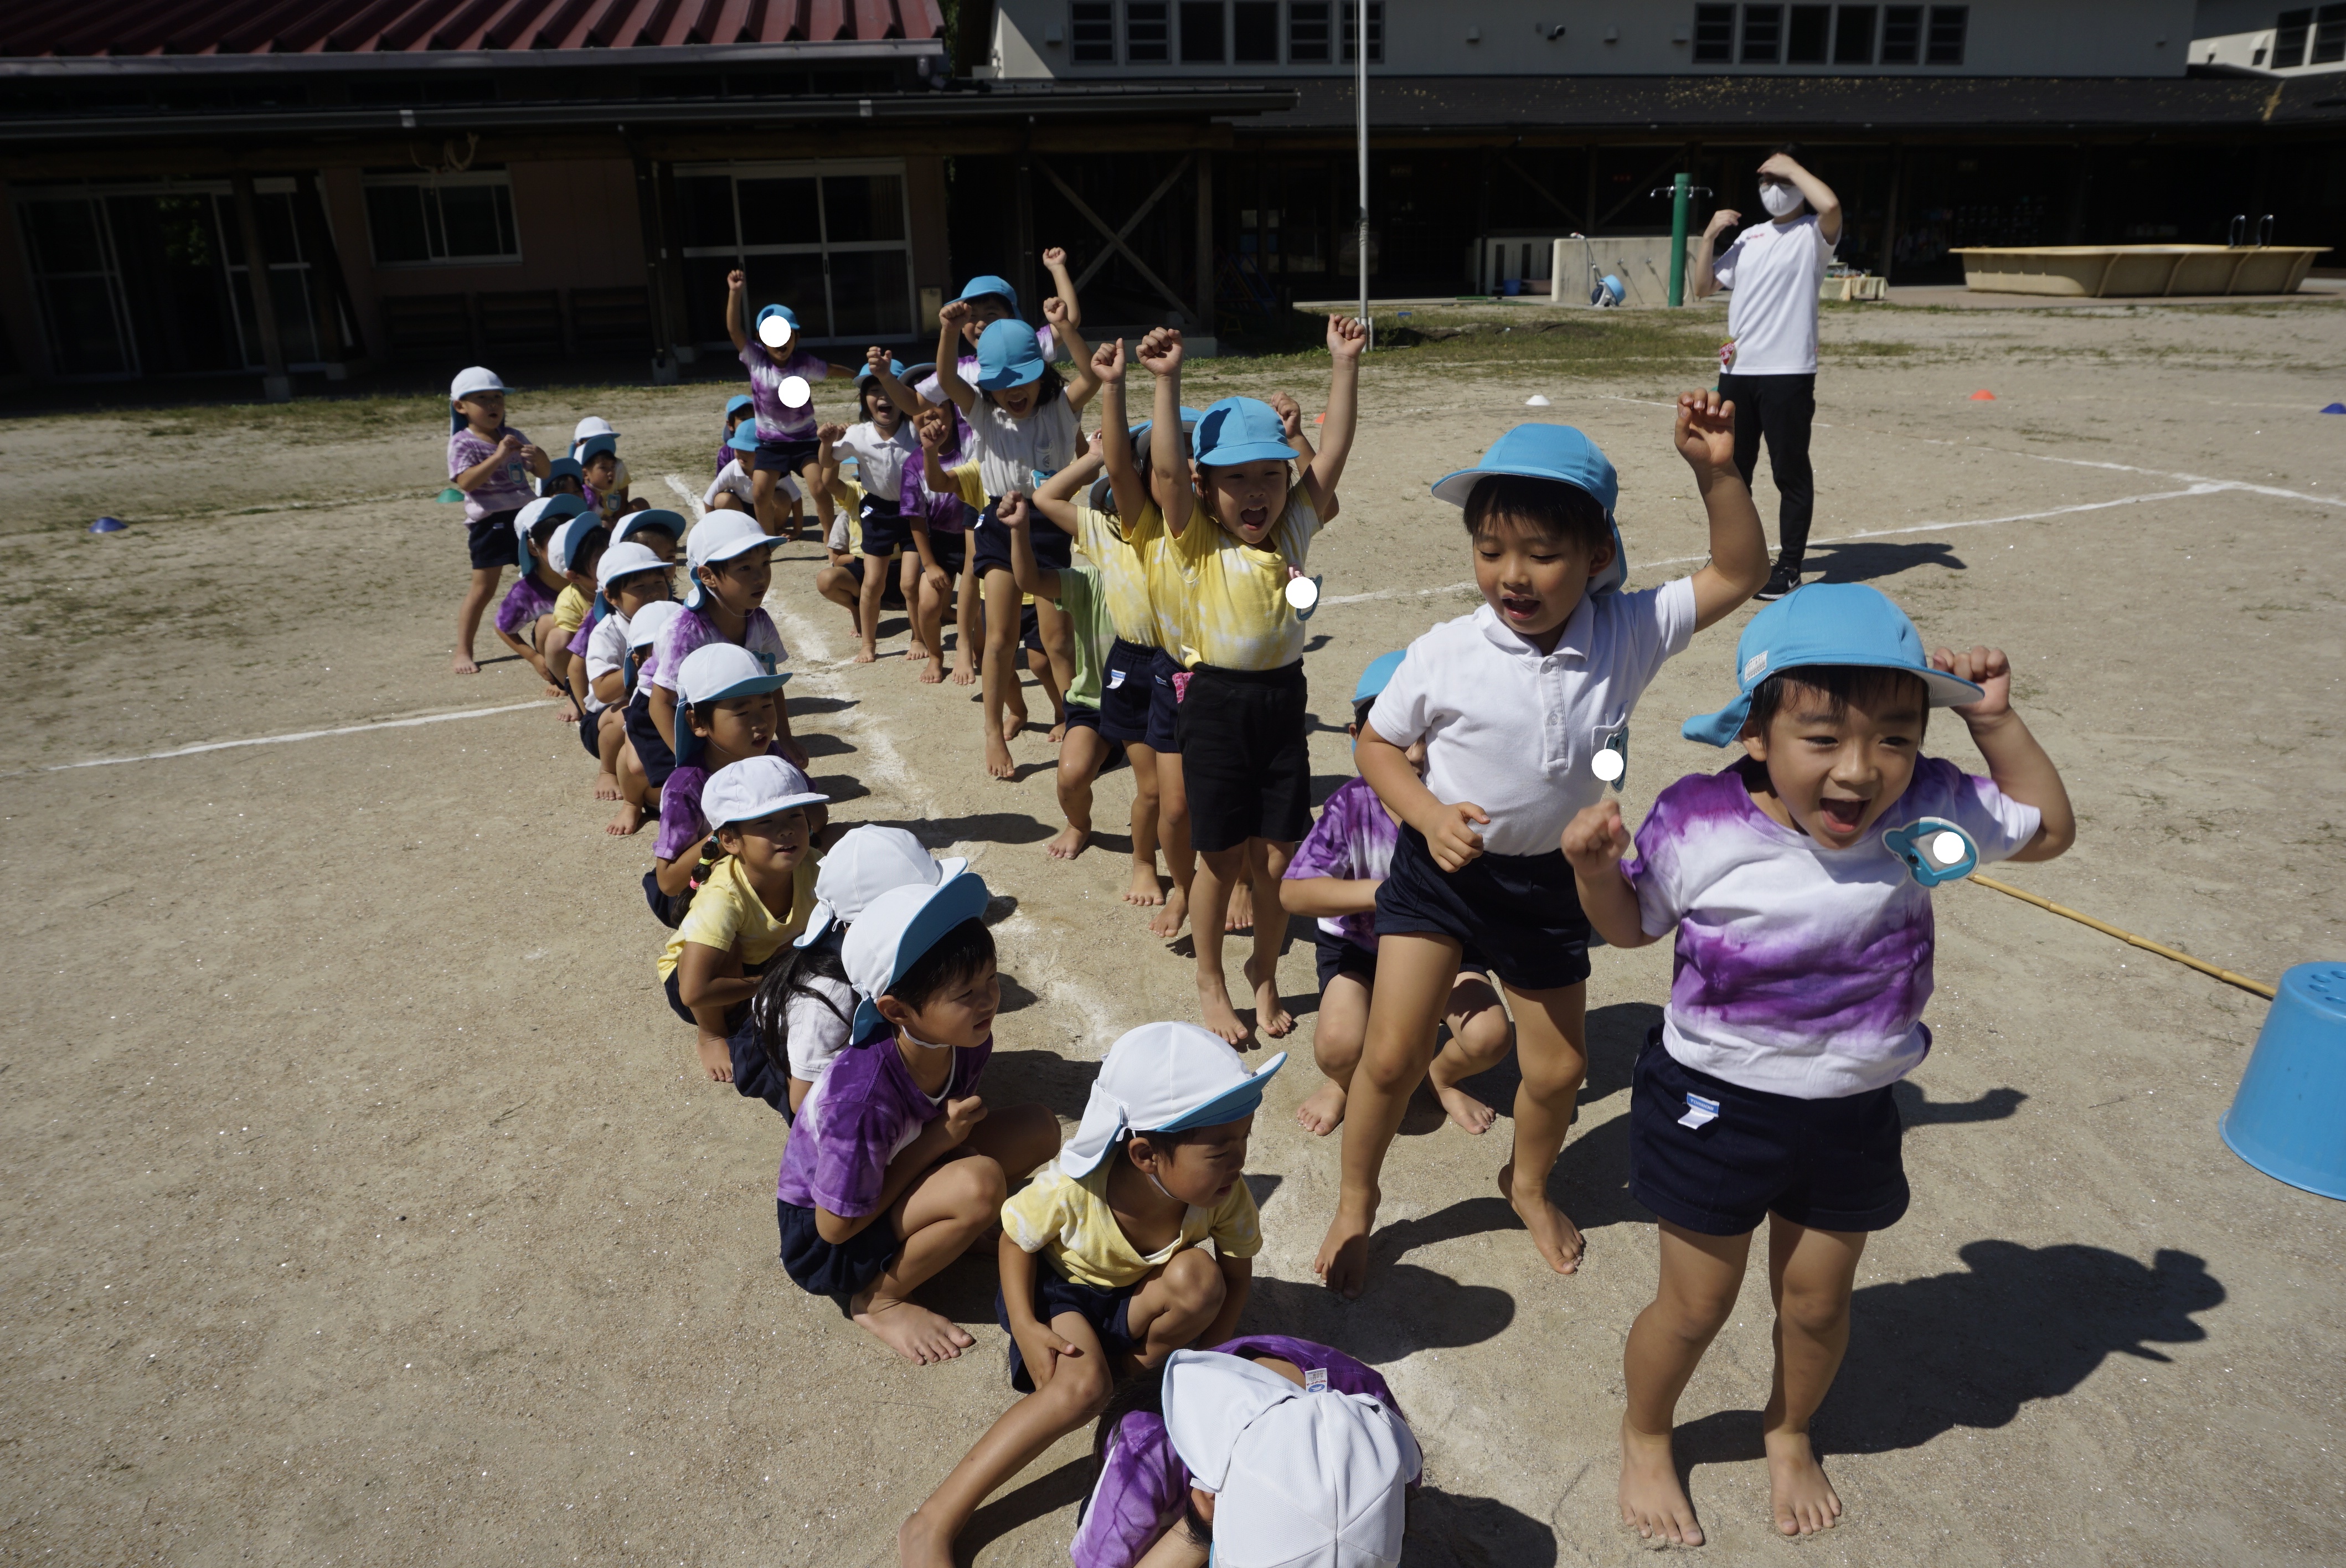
(1512, 729)
(741, 483)
(1775, 271)
(879, 459)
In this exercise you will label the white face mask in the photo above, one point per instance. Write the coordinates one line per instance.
(1780, 200)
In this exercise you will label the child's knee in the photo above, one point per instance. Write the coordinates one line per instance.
(1818, 1314)
(1482, 1032)
(1079, 1386)
(1194, 1283)
(978, 1189)
(1336, 1050)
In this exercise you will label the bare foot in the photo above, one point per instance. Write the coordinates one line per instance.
(1069, 843)
(866, 655)
(716, 1059)
(625, 821)
(606, 786)
(1214, 1002)
(554, 690)
(1557, 1236)
(1465, 1110)
(912, 1331)
(1167, 922)
(964, 673)
(1323, 1111)
(464, 664)
(1014, 722)
(916, 650)
(997, 757)
(1143, 888)
(932, 672)
(1270, 1015)
(1241, 912)
(1059, 732)
(1804, 1500)
(922, 1543)
(1652, 1501)
(1343, 1261)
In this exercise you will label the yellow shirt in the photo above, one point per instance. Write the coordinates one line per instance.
(973, 487)
(1228, 599)
(728, 914)
(1069, 1221)
(570, 608)
(1121, 555)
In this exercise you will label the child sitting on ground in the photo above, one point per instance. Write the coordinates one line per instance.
(646, 764)
(491, 463)
(606, 484)
(1334, 877)
(738, 408)
(658, 530)
(573, 555)
(781, 377)
(526, 616)
(1120, 1218)
(730, 703)
(1519, 705)
(564, 477)
(895, 1165)
(1220, 1444)
(1079, 590)
(730, 559)
(798, 1020)
(631, 580)
(754, 900)
(1804, 963)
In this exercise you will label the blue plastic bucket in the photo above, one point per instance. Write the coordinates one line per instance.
(1510, 287)
(2288, 1117)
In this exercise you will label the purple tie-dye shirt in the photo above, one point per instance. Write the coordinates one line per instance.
(524, 602)
(505, 488)
(1352, 841)
(1799, 970)
(866, 1111)
(777, 421)
(1144, 1484)
(941, 514)
(693, 630)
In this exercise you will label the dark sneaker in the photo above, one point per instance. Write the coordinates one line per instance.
(1781, 581)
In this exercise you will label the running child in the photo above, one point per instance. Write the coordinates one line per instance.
(1797, 881)
(1102, 1256)
(1246, 762)
(491, 463)
(630, 580)
(753, 901)
(780, 371)
(730, 701)
(1334, 878)
(896, 1165)
(525, 618)
(1524, 707)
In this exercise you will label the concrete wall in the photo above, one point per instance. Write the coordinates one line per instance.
(1435, 38)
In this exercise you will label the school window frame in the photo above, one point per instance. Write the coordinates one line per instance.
(1254, 25)
(1310, 35)
(1762, 42)
(1902, 36)
(1950, 26)
(1091, 32)
(384, 212)
(1205, 32)
(2327, 46)
(1808, 34)
(1714, 34)
(1855, 31)
(1148, 32)
(1375, 10)
(821, 250)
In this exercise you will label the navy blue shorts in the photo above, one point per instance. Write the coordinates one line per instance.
(668, 910)
(1030, 629)
(1246, 758)
(491, 540)
(1124, 685)
(590, 733)
(885, 531)
(1520, 912)
(1335, 955)
(1829, 1164)
(841, 1270)
(1164, 705)
(785, 456)
(651, 751)
(892, 587)
(1051, 546)
(1107, 1311)
(950, 547)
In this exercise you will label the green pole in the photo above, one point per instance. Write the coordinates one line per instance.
(1681, 199)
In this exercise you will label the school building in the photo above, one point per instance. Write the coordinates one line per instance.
(434, 181)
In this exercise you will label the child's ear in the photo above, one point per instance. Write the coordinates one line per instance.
(898, 1016)
(1755, 742)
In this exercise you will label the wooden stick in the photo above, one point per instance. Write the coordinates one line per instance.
(2225, 975)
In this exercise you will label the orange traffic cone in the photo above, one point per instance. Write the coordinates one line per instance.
(1982, 395)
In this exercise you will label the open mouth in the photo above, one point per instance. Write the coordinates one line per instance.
(1519, 606)
(1840, 816)
(1255, 519)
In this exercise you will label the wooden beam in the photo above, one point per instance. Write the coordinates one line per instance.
(1205, 315)
(1115, 238)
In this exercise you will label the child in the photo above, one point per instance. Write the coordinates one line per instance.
(1079, 590)
(1221, 1442)
(939, 514)
(564, 477)
(730, 701)
(491, 463)
(785, 429)
(738, 407)
(1335, 876)
(631, 579)
(1120, 1218)
(729, 557)
(798, 1020)
(1025, 429)
(753, 901)
(573, 555)
(605, 477)
(1515, 703)
(1246, 764)
(650, 752)
(988, 298)
(882, 444)
(735, 484)
(1803, 966)
(895, 1165)
(527, 615)
(655, 528)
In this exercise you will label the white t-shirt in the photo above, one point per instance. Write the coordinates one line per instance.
(1775, 271)
(817, 1034)
(879, 459)
(1015, 456)
(606, 653)
(741, 483)
(1512, 729)
(1801, 970)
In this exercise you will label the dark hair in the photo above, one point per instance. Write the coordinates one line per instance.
(663, 587)
(1360, 711)
(705, 713)
(1841, 684)
(1550, 505)
(1050, 384)
(541, 533)
(958, 954)
(794, 976)
(1009, 311)
(1143, 1394)
(865, 386)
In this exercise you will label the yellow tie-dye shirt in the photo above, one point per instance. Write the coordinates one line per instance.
(1121, 554)
(1228, 599)
(1068, 1219)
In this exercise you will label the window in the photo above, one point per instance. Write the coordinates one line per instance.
(1145, 29)
(1714, 33)
(1201, 33)
(1092, 26)
(1763, 30)
(1811, 30)
(1902, 34)
(1254, 32)
(1853, 36)
(828, 240)
(2288, 38)
(2329, 36)
(1947, 25)
(1306, 33)
(449, 219)
(1376, 32)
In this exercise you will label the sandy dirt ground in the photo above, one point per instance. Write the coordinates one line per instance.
(366, 1206)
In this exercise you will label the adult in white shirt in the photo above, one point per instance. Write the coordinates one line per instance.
(1769, 368)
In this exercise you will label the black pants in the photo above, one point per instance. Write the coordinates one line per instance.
(1780, 408)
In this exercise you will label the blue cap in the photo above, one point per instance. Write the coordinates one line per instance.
(595, 446)
(784, 311)
(894, 932)
(987, 283)
(650, 520)
(1009, 354)
(744, 437)
(1241, 429)
(1378, 676)
(1558, 453)
(895, 367)
(740, 402)
(1826, 624)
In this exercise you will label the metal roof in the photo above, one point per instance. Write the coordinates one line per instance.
(70, 28)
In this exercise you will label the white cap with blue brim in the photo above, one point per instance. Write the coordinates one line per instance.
(535, 511)
(718, 537)
(1164, 1078)
(755, 788)
(893, 932)
(712, 673)
(867, 861)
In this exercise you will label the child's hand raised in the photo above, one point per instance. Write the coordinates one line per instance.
(1014, 512)
(828, 433)
(737, 279)
(1108, 363)
(1054, 310)
(1705, 436)
(954, 314)
(1054, 257)
(1595, 839)
(509, 446)
(1160, 350)
(961, 1117)
(878, 359)
(1289, 412)
(935, 428)
(1454, 841)
(1346, 337)
(1984, 668)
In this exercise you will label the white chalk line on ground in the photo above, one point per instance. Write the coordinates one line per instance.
(283, 739)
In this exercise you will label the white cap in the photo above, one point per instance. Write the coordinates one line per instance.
(624, 561)
(646, 625)
(1164, 1078)
(720, 537)
(592, 425)
(571, 537)
(473, 378)
(715, 671)
(1300, 1479)
(531, 511)
(752, 787)
(867, 861)
(893, 933)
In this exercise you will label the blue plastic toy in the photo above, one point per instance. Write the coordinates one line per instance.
(2335, 408)
(109, 526)
(1935, 850)
(2288, 1117)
